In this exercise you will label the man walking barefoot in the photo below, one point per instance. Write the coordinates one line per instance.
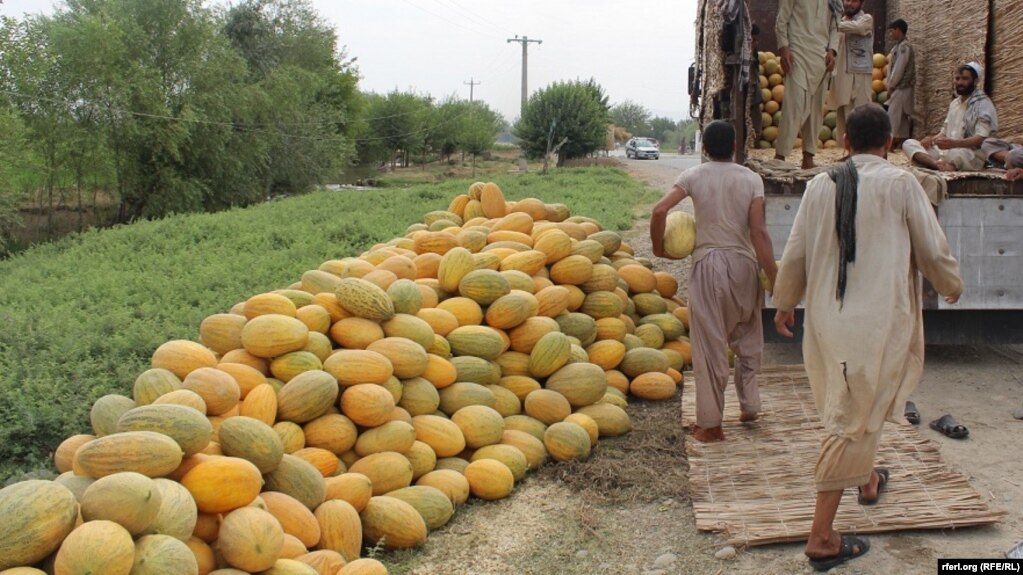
(724, 290)
(861, 236)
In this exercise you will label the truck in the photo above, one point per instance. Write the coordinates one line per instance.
(982, 216)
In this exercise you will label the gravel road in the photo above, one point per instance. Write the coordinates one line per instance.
(979, 385)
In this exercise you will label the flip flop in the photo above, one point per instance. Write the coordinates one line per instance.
(912, 414)
(852, 547)
(948, 425)
(882, 481)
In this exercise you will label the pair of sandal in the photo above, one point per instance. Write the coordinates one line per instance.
(946, 424)
(853, 546)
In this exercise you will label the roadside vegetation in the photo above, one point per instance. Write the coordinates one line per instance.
(83, 315)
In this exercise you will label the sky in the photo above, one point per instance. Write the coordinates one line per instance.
(637, 51)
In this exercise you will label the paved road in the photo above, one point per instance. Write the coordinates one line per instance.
(675, 162)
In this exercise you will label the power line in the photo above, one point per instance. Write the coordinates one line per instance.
(449, 21)
(473, 16)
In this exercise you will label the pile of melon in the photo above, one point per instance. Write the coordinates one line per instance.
(363, 404)
(772, 86)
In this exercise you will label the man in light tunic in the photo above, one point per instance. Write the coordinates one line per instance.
(970, 120)
(724, 290)
(863, 233)
(807, 32)
(900, 82)
(850, 87)
(1004, 155)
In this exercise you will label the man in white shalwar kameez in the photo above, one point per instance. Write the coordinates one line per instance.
(861, 237)
(850, 87)
(807, 32)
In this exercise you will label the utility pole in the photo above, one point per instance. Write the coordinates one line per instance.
(471, 85)
(525, 60)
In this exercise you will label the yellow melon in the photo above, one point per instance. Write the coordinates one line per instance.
(680, 234)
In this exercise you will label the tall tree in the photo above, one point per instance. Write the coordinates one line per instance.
(568, 112)
(631, 116)
(310, 87)
(399, 122)
(479, 129)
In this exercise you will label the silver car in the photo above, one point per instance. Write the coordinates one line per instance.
(640, 148)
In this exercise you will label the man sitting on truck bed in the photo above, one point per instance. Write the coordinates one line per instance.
(970, 120)
(1005, 155)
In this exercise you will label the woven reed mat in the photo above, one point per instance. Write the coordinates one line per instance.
(757, 486)
(945, 34)
(1006, 66)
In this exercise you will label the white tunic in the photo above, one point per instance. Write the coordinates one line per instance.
(865, 356)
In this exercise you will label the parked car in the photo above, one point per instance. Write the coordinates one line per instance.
(640, 148)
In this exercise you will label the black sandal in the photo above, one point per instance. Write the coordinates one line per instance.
(948, 425)
(852, 547)
(912, 414)
(882, 482)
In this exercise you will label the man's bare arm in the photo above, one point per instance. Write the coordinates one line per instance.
(761, 240)
(973, 142)
(659, 215)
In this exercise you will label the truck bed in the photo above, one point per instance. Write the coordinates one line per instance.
(983, 220)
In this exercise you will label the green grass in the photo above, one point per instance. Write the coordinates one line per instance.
(82, 316)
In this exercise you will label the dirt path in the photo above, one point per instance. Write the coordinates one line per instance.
(626, 509)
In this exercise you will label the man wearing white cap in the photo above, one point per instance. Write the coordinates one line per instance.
(970, 120)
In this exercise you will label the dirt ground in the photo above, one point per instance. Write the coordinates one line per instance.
(626, 510)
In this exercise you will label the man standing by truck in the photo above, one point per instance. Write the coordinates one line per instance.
(851, 85)
(863, 233)
(724, 290)
(807, 32)
(900, 82)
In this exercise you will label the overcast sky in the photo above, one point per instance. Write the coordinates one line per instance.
(637, 51)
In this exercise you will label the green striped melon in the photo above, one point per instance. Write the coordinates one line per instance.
(566, 441)
(432, 504)
(307, 396)
(37, 516)
(463, 393)
(549, 354)
(483, 286)
(581, 383)
(189, 428)
(476, 369)
(364, 299)
(643, 360)
(612, 420)
(253, 440)
(478, 340)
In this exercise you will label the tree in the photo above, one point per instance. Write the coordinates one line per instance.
(15, 160)
(631, 116)
(310, 104)
(568, 111)
(447, 122)
(479, 129)
(399, 123)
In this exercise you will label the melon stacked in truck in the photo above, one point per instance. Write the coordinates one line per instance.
(772, 87)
